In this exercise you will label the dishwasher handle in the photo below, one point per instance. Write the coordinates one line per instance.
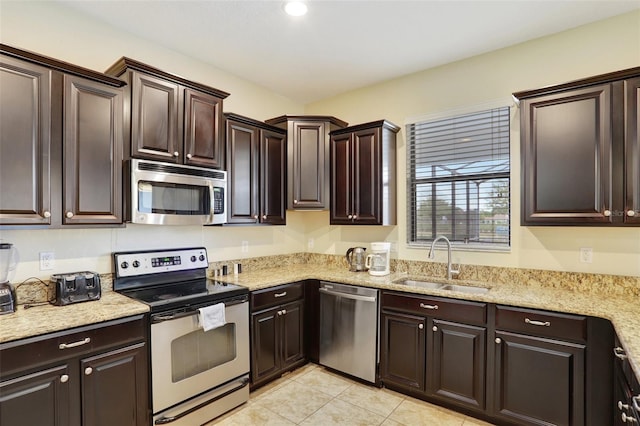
(348, 295)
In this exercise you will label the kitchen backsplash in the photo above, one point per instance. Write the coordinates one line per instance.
(33, 291)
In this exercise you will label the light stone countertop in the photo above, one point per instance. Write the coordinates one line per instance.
(47, 318)
(622, 309)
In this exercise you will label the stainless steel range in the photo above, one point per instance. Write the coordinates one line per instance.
(196, 375)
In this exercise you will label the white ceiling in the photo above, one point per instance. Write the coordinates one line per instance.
(341, 45)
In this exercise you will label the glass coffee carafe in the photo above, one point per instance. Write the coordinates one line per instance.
(378, 260)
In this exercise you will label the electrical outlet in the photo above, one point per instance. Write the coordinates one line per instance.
(310, 243)
(586, 255)
(47, 260)
(244, 247)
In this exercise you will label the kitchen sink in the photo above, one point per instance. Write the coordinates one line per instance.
(441, 286)
(418, 283)
(465, 289)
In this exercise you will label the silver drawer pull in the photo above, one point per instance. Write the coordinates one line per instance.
(74, 344)
(539, 323)
(628, 419)
(619, 353)
(422, 305)
(64, 378)
(284, 293)
(622, 406)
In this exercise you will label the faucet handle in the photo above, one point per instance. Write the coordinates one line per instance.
(456, 270)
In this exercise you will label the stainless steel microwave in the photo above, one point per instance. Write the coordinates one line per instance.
(170, 194)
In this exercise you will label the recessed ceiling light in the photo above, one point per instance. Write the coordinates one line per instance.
(295, 8)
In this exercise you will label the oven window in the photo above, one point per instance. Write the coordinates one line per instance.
(173, 198)
(200, 351)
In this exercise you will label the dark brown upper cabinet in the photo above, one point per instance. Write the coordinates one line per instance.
(169, 118)
(307, 159)
(363, 174)
(61, 143)
(256, 156)
(580, 157)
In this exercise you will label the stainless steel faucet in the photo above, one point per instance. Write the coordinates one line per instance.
(450, 270)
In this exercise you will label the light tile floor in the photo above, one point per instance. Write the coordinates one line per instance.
(311, 395)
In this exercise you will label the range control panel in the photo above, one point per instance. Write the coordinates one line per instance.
(131, 264)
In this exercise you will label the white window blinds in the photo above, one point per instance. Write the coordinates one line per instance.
(458, 179)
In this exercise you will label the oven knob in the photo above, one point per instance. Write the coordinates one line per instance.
(201, 258)
(124, 265)
(193, 258)
(136, 264)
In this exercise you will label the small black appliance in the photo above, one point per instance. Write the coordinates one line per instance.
(74, 287)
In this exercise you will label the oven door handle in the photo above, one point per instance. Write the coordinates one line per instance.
(156, 318)
(171, 419)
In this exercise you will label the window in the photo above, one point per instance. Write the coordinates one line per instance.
(458, 180)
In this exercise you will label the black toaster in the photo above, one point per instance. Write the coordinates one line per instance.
(74, 287)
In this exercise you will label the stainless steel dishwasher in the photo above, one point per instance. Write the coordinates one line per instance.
(349, 329)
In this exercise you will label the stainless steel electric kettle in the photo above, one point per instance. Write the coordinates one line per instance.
(356, 259)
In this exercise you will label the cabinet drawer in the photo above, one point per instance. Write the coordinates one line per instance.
(437, 307)
(541, 323)
(276, 295)
(34, 352)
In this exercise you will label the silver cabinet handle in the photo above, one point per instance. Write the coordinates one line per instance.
(350, 216)
(189, 156)
(69, 215)
(355, 216)
(176, 154)
(631, 213)
(64, 378)
(622, 406)
(628, 419)
(435, 328)
(538, 323)
(422, 305)
(284, 312)
(74, 344)
(264, 217)
(607, 213)
(279, 313)
(498, 340)
(295, 201)
(284, 293)
(420, 326)
(88, 371)
(46, 213)
(619, 353)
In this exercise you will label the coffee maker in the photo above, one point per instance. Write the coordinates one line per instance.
(8, 262)
(378, 260)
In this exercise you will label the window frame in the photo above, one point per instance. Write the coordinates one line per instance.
(413, 182)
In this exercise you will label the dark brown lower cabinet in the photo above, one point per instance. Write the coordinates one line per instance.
(428, 353)
(277, 324)
(539, 381)
(91, 376)
(456, 365)
(402, 357)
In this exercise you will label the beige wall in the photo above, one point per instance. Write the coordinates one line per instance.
(601, 47)
(614, 44)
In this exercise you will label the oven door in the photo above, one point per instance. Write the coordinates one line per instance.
(186, 360)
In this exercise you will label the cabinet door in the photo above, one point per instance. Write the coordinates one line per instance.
(265, 360)
(308, 165)
(41, 398)
(341, 179)
(25, 143)
(402, 355)
(92, 152)
(367, 178)
(539, 381)
(273, 157)
(115, 388)
(242, 170)
(566, 158)
(202, 130)
(632, 150)
(155, 118)
(292, 319)
(456, 365)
